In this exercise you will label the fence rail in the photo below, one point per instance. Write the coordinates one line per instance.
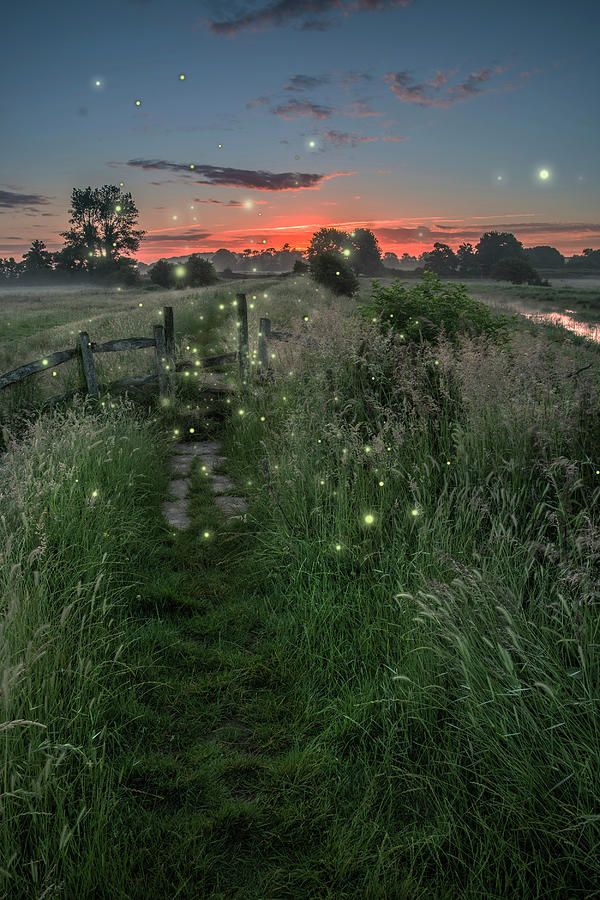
(166, 365)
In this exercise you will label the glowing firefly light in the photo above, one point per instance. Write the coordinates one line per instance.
(338, 547)
(368, 518)
(544, 174)
(206, 535)
(192, 166)
(182, 76)
(138, 103)
(414, 512)
(220, 146)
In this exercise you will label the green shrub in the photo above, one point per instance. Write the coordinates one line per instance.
(200, 272)
(333, 272)
(518, 271)
(430, 308)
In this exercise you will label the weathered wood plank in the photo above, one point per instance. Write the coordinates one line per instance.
(264, 333)
(121, 344)
(161, 361)
(243, 342)
(87, 364)
(206, 362)
(38, 365)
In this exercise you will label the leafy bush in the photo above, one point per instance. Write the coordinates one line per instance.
(200, 272)
(161, 273)
(516, 270)
(300, 267)
(333, 272)
(430, 308)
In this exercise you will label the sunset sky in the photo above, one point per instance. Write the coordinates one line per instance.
(422, 119)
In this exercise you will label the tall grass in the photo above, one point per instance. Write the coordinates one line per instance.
(430, 520)
(76, 494)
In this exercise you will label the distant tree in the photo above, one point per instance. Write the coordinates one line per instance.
(517, 270)
(70, 259)
(162, 273)
(365, 252)
(200, 272)
(589, 259)
(544, 257)
(103, 225)
(300, 267)
(38, 260)
(332, 271)
(496, 245)
(391, 260)
(408, 262)
(224, 259)
(467, 260)
(442, 259)
(327, 240)
(10, 269)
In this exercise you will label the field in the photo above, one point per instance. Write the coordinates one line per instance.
(383, 683)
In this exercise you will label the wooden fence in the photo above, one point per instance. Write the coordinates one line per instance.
(166, 364)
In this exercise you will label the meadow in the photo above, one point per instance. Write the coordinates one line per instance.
(382, 684)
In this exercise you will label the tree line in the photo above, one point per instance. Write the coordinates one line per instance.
(103, 234)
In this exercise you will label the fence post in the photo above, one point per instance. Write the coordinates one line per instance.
(242, 315)
(161, 361)
(170, 353)
(87, 364)
(264, 333)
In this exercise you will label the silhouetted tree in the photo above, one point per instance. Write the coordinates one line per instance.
(199, 272)
(545, 257)
(589, 259)
(38, 260)
(468, 263)
(442, 259)
(300, 267)
(332, 271)
(516, 269)
(391, 260)
(366, 253)
(103, 225)
(496, 245)
(161, 273)
(327, 240)
(70, 259)
(10, 269)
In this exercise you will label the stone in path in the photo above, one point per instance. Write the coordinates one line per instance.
(231, 507)
(207, 454)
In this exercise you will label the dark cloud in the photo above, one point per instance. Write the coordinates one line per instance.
(176, 237)
(294, 108)
(306, 82)
(361, 109)
(351, 78)
(284, 12)
(246, 178)
(351, 139)
(438, 91)
(14, 200)
(453, 233)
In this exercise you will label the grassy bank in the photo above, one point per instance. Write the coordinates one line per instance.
(383, 684)
(77, 493)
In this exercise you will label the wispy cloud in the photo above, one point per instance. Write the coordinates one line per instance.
(301, 83)
(293, 109)
(175, 237)
(236, 204)
(351, 139)
(308, 13)
(225, 176)
(361, 109)
(14, 200)
(438, 91)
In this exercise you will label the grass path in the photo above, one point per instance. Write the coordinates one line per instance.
(223, 799)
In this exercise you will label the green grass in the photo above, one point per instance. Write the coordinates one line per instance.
(383, 684)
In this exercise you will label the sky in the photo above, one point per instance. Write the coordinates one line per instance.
(259, 122)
